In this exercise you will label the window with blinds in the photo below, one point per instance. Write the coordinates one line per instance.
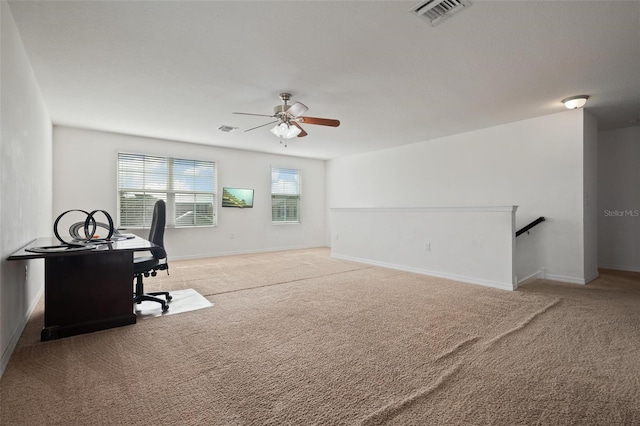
(187, 186)
(285, 195)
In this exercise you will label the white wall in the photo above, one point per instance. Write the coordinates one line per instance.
(84, 177)
(470, 244)
(619, 199)
(536, 164)
(25, 196)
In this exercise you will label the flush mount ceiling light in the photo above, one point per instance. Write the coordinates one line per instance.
(574, 102)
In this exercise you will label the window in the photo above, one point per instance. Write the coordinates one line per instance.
(187, 186)
(285, 195)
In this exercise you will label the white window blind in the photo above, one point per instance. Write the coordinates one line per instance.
(285, 195)
(187, 186)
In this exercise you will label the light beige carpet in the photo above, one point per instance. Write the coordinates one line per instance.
(298, 338)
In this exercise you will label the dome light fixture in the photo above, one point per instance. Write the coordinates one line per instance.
(574, 102)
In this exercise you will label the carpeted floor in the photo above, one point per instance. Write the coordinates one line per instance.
(298, 338)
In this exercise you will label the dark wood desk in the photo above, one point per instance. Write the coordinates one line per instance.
(86, 291)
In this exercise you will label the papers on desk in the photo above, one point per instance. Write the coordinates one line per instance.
(119, 237)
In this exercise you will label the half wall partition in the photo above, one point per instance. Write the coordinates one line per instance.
(469, 244)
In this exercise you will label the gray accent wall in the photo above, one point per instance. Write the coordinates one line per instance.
(619, 199)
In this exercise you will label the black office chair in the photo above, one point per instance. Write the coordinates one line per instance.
(149, 265)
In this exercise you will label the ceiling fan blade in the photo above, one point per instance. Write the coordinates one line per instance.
(262, 125)
(302, 132)
(248, 113)
(296, 109)
(320, 121)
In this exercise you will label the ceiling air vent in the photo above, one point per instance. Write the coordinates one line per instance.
(434, 11)
(227, 129)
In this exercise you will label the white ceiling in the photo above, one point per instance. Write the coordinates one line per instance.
(177, 70)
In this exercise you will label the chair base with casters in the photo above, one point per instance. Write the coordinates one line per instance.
(142, 268)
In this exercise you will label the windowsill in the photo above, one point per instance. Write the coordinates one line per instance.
(285, 223)
(190, 226)
(132, 228)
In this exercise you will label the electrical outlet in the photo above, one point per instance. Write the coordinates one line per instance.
(337, 237)
(427, 246)
(233, 236)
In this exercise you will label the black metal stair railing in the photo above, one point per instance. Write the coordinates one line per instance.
(529, 226)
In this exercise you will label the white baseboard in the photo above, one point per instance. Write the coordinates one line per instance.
(565, 279)
(454, 277)
(538, 275)
(544, 275)
(588, 279)
(15, 336)
(621, 268)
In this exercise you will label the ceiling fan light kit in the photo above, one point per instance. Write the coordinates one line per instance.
(285, 131)
(288, 119)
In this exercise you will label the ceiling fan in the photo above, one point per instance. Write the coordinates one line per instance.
(289, 117)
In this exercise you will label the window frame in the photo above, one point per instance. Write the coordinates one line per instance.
(169, 193)
(283, 195)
